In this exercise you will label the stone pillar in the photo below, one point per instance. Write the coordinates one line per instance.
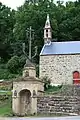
(16, 105)
(34, 105)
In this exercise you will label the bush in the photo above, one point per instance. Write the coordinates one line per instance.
(22, 61)
(13, 64)
(47, 82)
(53, 89)
(5, 74)
(2, 66)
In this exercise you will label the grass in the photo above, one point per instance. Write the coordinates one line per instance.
(53, 89)
(5, 107)
(5, 92)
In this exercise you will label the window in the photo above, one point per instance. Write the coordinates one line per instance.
(46, 35)
(47, 31)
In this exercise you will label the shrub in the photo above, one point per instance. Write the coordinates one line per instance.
(4, 73)
(2, 66)
(13, 64)
(47, 82)
(22, 60)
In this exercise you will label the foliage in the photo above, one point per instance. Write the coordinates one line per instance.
(2, 66)
(5, 74)
(47, 82)
(6, 88)
(13, 64)
(53, 89)
(48, 88)
(65, 21)
(5, 92)
(7, 21)
(22, 61)
(5, 107)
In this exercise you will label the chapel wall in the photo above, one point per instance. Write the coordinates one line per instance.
(59, 68)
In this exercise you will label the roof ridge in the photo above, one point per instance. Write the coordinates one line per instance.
(69, 47)
(67, 42)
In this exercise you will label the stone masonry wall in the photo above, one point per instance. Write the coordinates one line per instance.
(68, 105)
(59, 68)
(29, 85)
(69, 90)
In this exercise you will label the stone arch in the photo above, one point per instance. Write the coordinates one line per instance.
(25, 102)
(76, 77)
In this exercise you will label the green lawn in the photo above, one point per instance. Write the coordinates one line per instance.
(5, 107)
(53, 89)
(4, 92)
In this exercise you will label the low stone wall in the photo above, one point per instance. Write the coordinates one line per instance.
(69, 90)
(68, 105)
(6, 85)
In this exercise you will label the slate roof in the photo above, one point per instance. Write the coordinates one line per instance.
(72, 47)
(29, 64)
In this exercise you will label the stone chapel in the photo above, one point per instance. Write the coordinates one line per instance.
(59, 61)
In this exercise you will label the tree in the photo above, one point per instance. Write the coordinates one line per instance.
(7, 22)
(13, 64)
(33, 15)
(65, 23)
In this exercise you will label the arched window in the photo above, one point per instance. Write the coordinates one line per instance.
(76, 77)
(46, 33)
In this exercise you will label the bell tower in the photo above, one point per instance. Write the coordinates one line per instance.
(47, 31)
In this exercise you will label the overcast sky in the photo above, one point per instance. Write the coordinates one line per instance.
(15, 3)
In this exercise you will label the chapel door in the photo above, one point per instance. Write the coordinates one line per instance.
(76, 77)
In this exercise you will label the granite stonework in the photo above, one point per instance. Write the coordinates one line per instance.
(25, 90)
(59, 68)
(67, 105)
(66, 101)
(22, 102)
(69, 90)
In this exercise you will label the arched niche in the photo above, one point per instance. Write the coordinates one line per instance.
(25, 102)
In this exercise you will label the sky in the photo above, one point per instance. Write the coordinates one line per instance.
(13, 3)
(16, 3)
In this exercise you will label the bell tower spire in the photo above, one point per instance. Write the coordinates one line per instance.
(47, 31)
